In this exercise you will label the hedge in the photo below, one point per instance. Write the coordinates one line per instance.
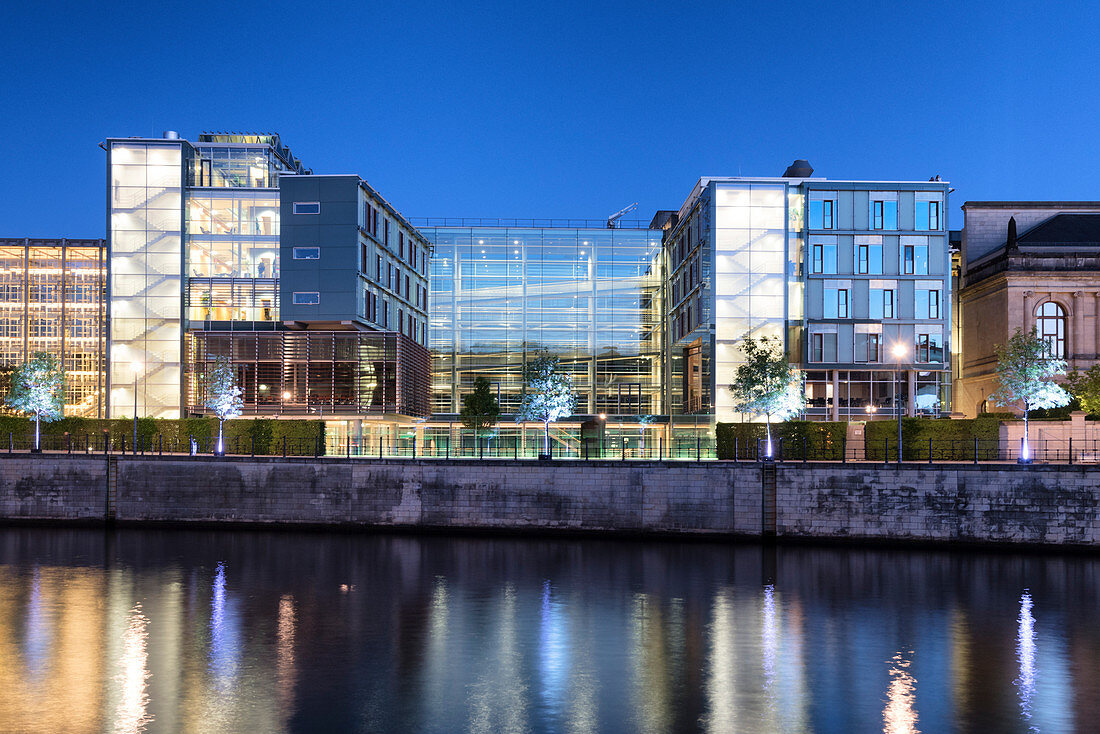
(915, 433)
(821, 438)
(266, 435)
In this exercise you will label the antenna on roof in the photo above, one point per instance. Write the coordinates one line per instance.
(613, 220)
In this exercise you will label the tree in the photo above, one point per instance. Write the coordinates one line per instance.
(38, 387)
(644, 421)
(1085, 386)
(223, 395)
(1025, 374)
(548, 394)
(766, 384)
(480, 409)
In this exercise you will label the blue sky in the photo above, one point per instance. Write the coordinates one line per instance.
(567, 109)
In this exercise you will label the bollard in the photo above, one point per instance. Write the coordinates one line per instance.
(929, 449)
(1071, 450)
(348, 442)
(414, 448)
(697, 447)
(975, 449)
(379, 447)
(886, 451)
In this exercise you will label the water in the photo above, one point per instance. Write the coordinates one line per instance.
(261, 632)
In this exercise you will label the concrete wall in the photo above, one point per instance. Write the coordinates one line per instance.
(946, 502)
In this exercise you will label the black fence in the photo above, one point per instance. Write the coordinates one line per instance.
(1047, 451)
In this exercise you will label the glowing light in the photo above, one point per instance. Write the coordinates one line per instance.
(135, 367)
(899, 716)
(286, 395)
(1025, 655)
(899, 350)
(1025, 451)
(131, 714)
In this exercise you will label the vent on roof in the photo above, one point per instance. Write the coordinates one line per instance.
(801, 168)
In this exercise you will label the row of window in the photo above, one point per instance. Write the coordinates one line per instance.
(407, 250)
(868, 259)
(880, 303)
(883, 214)
(928, 348)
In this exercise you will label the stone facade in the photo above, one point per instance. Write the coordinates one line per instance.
(1003, 289)
(1055, 505)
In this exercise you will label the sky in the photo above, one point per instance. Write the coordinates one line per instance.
(566, 109)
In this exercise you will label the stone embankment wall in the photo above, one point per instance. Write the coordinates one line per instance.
(1053, 505)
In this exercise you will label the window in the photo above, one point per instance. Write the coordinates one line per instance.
(867, 347)
(836, 303)
(386, 232)
(401, 245)
(869, 259)
(307, 207)
(927, 303)
(884, 214)
(824, 258)
(307, 253)
(929, 347)
(821, 214)
(881, 305)
(1051, 325)
(927, 215)
(389, 276)
(915, 259)
(378, 271)
(306, 298)
(406, 287)
(823, 348)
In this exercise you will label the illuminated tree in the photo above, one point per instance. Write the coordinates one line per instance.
(548, 395)
(223, 395)
(38, 387)
(480, 409)
(1085, 386)
(1025, 374)
(766, 384)
(644, 421)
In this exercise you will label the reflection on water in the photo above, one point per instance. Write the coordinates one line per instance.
(175, 631)
(1025, 655)
(899, 716)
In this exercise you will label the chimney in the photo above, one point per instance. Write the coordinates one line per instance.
(171, 135)
(801, 168)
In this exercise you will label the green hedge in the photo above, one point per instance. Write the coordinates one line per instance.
(915, 433)
(302, 436)
(822, 439)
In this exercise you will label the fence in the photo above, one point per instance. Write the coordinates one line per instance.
(1068, 451)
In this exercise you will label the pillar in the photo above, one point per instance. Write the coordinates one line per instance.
(911, 383)
(835, 413)
(1074, 347)
(1028, 315)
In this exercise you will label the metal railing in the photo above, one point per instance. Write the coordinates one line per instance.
(1045, 451)
(527, 223)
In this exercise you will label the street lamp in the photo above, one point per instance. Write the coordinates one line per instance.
(136, 367)
(899, 351)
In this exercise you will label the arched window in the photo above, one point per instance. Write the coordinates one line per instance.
(1051, 325)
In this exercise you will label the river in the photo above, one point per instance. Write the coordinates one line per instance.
(256, 631)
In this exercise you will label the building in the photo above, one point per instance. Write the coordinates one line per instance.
(852, 276)
(590, 294)
(1026, 265)
(52, 299)
(200, 269)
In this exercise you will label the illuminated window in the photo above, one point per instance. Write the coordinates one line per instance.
(307, 253)
(306, 298)
(1051, 325)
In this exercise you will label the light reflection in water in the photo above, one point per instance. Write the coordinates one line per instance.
(652, 694)
(553, 651)
(36, 646)
(285, 671)
(132, 713)
(769, 638)
(1025, 655)
(722, 707)
(899, 716)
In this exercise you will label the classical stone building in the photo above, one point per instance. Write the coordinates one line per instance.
(1026, 264)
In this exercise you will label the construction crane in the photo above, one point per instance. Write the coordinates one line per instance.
(619, 215)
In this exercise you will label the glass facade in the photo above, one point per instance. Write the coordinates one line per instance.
(592, 297)
(146, 276)
(52, 300)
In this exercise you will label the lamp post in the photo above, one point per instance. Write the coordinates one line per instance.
(603, 431)
(136, 367)
(899, 352)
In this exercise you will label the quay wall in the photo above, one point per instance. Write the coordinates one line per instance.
(1039, 504)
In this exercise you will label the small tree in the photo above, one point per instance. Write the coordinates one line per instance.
(548, 395)
(1085, 386)
(766, 384)
(223, 395)
(1025, 374)
(644, 422)
(38, 387)
(480, 409)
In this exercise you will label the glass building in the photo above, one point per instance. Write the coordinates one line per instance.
(853, 277)
(196, 233)
(589, 295)
(52, 300)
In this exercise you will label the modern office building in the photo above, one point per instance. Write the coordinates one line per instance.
(196, 265)
(1026, 265)
(852, 276)
(504, 291)
(52, 299)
